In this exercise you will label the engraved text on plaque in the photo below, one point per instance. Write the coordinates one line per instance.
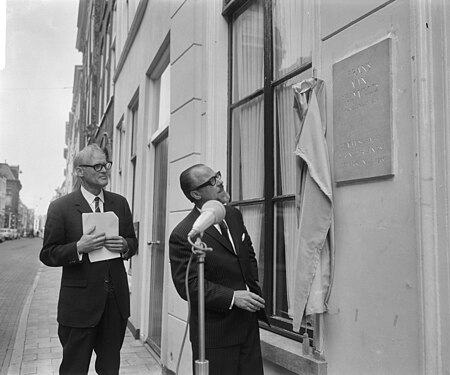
(362, 99)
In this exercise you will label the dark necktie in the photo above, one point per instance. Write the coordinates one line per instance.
(97, 205)
(224, 229)
(107, 285)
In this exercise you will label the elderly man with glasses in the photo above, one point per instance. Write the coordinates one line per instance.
(233, 298)
(94, 301)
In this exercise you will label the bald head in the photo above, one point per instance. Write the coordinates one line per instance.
(201, 184)
(187, 179)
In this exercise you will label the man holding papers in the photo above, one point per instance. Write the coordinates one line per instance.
(88, 233)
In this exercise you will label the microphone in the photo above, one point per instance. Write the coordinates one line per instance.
(212, 212)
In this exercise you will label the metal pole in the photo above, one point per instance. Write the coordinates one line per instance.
(201, 364)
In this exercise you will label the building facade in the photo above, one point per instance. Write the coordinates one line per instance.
(14, 213)
(234, 84)
(75, 130)
(13, 187)
(25, 220)
(2, 200)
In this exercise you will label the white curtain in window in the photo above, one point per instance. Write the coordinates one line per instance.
(248, 52)
(288, 161)
(292, 34)
(248, 119)
(250, 122)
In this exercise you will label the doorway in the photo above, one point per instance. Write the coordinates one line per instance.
(157, 243)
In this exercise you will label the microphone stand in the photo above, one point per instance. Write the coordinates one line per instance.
(199, 248)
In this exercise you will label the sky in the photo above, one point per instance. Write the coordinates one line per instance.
(36, 93)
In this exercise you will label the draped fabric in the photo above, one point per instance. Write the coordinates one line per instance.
(313, 260)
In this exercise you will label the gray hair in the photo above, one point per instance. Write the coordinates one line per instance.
(86, 153)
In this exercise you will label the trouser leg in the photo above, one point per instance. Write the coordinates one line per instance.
(250, 357)
(77, 346)
(109, 340)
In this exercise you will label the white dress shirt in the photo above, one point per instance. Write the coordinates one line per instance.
(90, 198)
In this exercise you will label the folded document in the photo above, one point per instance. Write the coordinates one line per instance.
(104, 222)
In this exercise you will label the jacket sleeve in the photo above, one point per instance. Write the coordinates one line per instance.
(127, 230)
(55, 251)
(248, 245)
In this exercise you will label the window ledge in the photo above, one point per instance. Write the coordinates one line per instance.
(287, 353)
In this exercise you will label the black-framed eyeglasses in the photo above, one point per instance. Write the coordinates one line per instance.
(98, 167)
(212, 181)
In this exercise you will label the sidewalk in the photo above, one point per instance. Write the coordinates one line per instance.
(37, 349)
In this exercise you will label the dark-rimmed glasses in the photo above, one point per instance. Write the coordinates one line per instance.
(98, 167)
(212, 181)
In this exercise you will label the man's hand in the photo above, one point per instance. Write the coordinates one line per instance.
(247, 300)
(90, 242)
(116, 244)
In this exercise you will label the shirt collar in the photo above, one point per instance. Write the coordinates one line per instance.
(215, 225)
(90, 197)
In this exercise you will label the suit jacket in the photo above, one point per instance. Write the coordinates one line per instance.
(82, 295)
(225, 271)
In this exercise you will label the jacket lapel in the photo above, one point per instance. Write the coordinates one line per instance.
(214, 233)
(108, 205)
(234, 230)
(81, 204)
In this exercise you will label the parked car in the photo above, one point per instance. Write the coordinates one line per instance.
(6, 232)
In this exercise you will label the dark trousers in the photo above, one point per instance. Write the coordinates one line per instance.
(105, 339)
(243, 359)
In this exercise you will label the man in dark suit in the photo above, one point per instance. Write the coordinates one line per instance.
(94, 302)
(233, 301)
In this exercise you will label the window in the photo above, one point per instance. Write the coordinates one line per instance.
(108, 52)
(271, 48)
(119, 132)
(134, 126)
(101, 85)
(158, 88)
(164, 99)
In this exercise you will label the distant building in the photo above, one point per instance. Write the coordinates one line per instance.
(39, 225)
(91, 118)
(29, 227)
(2, 200)
(75, 133)
(25, 220)
(13, 187)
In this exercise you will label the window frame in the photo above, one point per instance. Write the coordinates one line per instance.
(120, 144)
(232, 9)
(133, 108)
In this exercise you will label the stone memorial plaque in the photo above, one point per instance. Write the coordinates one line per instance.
(362, 114)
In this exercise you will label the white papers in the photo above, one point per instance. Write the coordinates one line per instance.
(104, 222)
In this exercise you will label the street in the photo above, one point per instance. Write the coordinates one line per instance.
(18, 268)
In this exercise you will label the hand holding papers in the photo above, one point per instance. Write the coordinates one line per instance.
(107, 223)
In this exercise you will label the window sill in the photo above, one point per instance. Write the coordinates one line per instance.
(287, 353)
